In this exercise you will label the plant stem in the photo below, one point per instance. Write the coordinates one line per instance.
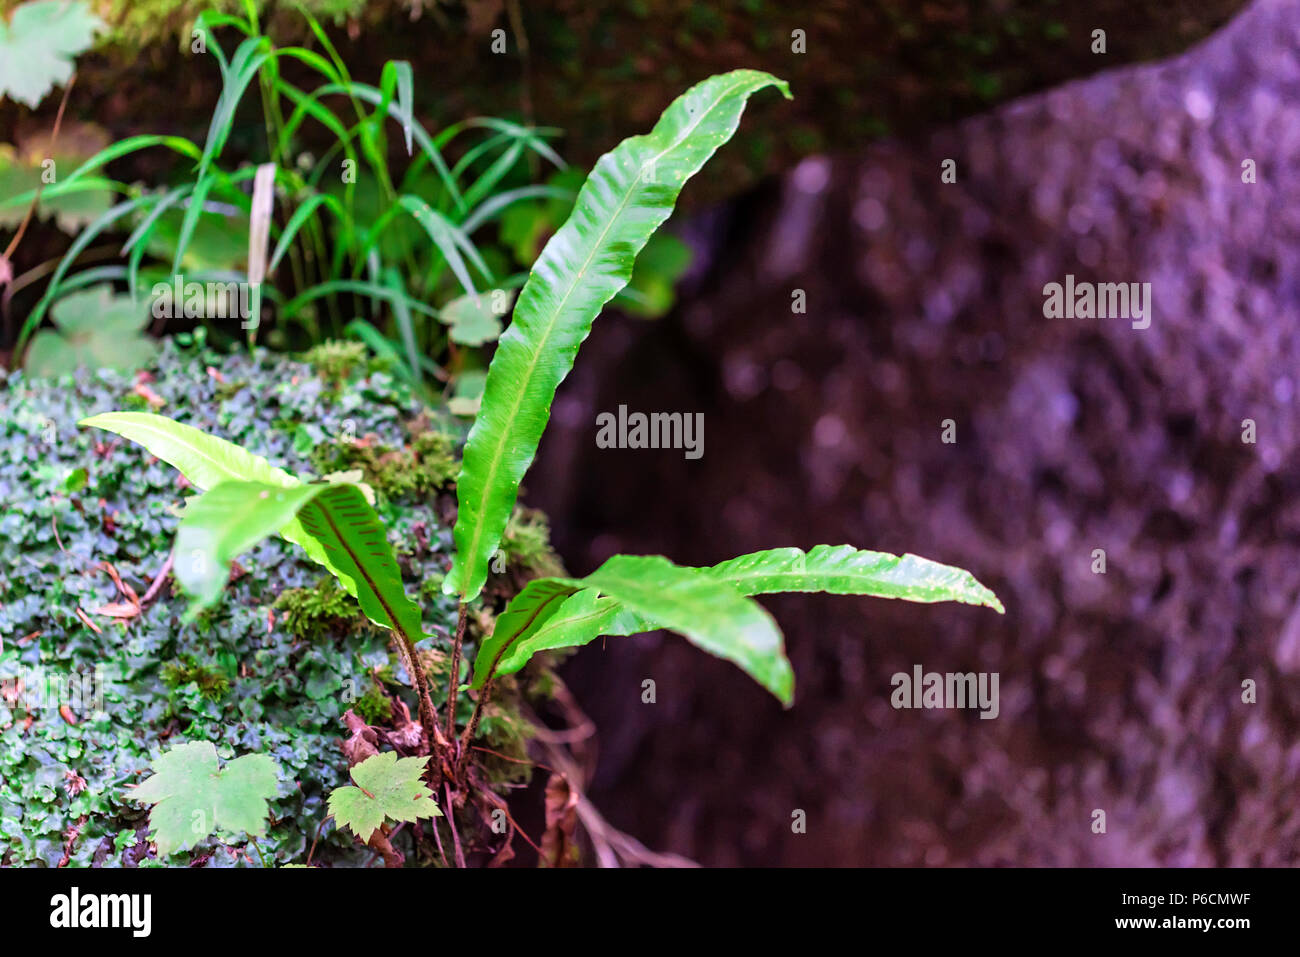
(472, 728)
(317, 837)
(261, 859)
(453, 685)
(451, 822)
(428, 713)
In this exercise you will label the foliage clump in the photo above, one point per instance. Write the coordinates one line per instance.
(374, 705)
(337, 361)
(283, 696)
(526, 543)
(419, 469)
(324, 609)
(212, 684)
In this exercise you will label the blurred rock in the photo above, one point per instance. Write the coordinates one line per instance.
(1120, 692)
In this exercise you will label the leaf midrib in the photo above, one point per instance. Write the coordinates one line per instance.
(491, 672)
(499, 452)
(394, 623)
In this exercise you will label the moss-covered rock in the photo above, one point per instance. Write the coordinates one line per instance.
(271, 669)
(604, 71)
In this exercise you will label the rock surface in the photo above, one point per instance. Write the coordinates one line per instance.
(1119, 691)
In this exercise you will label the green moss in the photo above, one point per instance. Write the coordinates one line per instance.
(336, 361)
(526, 543)
(138, 22)
(506, 732)
(241, 674)
(427, 464)
(212, 684)
(318, 612)
(374, 706)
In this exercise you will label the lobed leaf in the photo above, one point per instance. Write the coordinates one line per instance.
(629, 194)
(386, 788)
(192, 798)
(38, 44)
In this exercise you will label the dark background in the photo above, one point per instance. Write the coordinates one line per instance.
(1119, 691)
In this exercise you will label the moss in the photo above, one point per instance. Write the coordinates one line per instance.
(138, 22)
(526, 543)
(427, 464)
(431, 588)
(506, 732)
(337, 361)
(374, 706)
(212, 684)
(318, 612)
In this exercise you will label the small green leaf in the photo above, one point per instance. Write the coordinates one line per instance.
(192, 798)
(385, 788)
(75, 481)
(473, 318)
(38, 45)
(96, 328)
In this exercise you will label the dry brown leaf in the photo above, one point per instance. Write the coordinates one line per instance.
(363, 743)
(149, 395)
(127, 591)
(558, 847)
(118, 609)
(88, 623)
